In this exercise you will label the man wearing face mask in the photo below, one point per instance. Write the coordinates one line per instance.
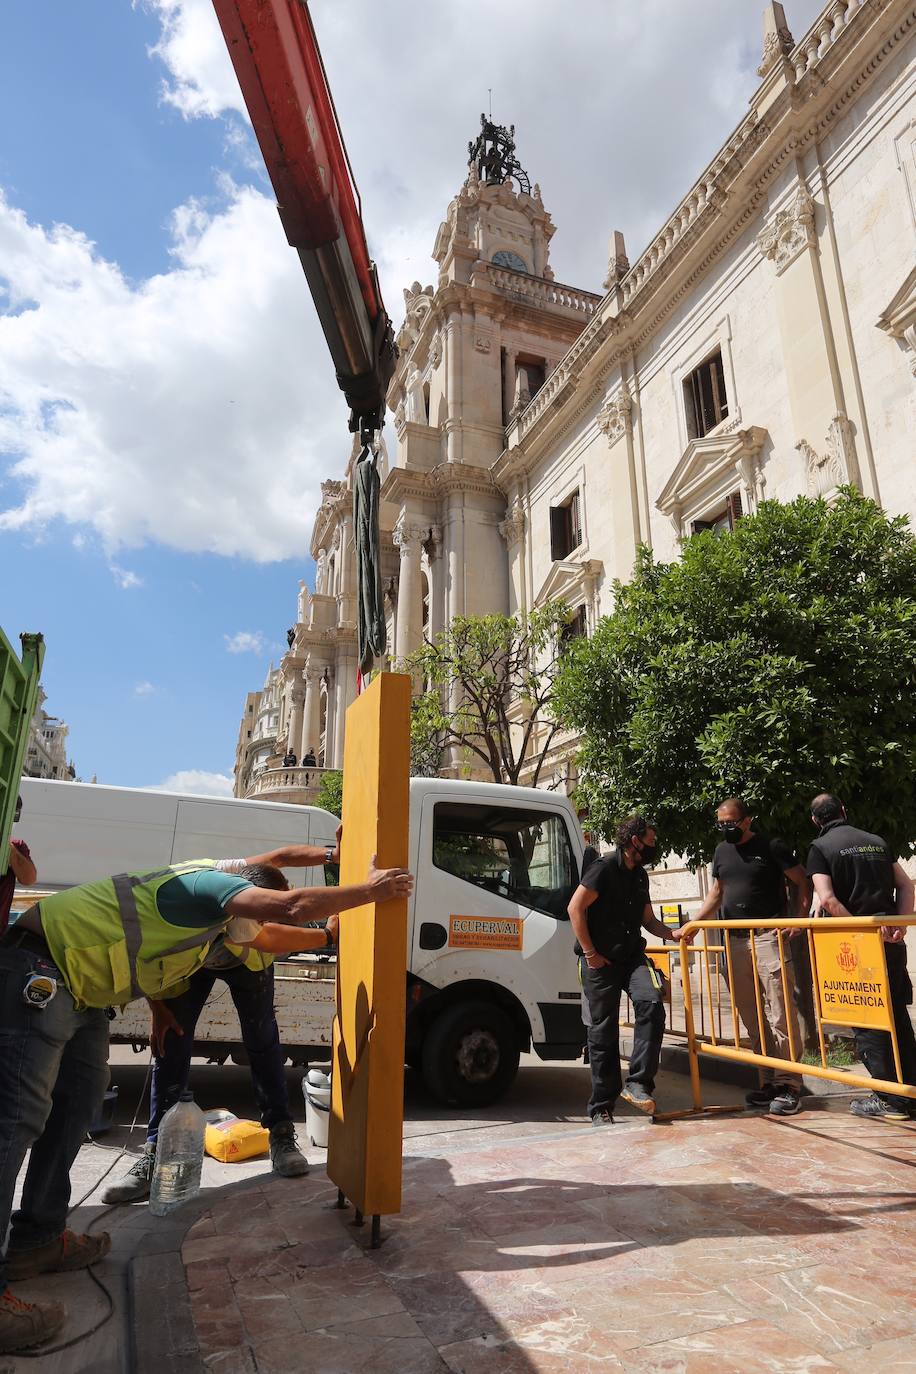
(607, 912)
(855, 874)
(749, 871)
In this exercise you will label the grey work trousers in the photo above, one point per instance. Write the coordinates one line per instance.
(776, 1014)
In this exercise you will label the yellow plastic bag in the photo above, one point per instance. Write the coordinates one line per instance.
(233, 1140)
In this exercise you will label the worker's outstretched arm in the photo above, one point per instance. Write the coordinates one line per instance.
(278, 939)
(301, 904)
(297, 855)
(24, 871)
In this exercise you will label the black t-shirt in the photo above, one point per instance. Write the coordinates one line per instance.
(615, 917)
(860, 866)
(751, 875)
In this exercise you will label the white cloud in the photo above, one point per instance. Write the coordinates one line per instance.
(144, 689)
(202, 81)
(617, 107)
(196, 780)
(123, 576)
(245, 642)
(155, 411)
(198, 408)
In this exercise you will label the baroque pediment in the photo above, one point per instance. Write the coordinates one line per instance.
(566, 580)
(898, 317)
(708, 462)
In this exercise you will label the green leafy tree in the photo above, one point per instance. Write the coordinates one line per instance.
(490, 682)
(330, 791)
(774, 661)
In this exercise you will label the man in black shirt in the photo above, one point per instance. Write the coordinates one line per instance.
(607, 911)
(749, 873)
(855, 874)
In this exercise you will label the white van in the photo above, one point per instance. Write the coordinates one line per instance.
(80, 832)
(491, 970)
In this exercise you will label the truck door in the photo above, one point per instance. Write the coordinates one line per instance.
(493, 883)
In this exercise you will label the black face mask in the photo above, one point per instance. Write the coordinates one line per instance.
(730, 831)
(647, 855)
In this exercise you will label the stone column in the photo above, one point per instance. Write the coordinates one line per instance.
(295, 719)
(436, 588)
(312, 715)
(347, 570)
(509, 383)
(344, 695)
(409, 626)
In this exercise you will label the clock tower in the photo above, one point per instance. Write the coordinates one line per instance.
(474, 350)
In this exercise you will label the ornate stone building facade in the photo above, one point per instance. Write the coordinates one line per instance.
(46, 750)
(763, 345)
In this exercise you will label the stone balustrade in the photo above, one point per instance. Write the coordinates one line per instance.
(823, 35)
(541, 292)
(299, 785)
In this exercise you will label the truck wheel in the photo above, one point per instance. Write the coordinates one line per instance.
(470, 1054)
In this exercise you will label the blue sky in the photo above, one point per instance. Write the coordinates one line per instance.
(167, 408)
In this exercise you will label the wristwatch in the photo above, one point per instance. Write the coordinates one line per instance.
(329, 941)
(329, 853)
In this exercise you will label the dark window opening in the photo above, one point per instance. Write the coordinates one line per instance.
(575, 628)
(524, 856)
(565, 528)
(534, 371)
(725, 519)
(704, 394)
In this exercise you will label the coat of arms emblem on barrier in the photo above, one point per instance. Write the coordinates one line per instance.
(847, 958)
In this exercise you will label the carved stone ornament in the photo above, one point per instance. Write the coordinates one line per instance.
(483, 343)
(435, 352)
(837, 466)
(408, 537)
(512, 528)
(790, 232)
(777, 38)
(417, 305)
(400, 416)
(618, 264)
(615, 417)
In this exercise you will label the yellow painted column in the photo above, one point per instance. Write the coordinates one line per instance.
(367, 1097)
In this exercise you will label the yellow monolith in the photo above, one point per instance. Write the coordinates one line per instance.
(367, 1097)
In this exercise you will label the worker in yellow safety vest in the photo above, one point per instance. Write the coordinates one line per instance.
(246, 971)
(62, 965)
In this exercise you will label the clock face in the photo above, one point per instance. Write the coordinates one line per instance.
(506, 258)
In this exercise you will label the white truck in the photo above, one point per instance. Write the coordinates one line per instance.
(491, 970)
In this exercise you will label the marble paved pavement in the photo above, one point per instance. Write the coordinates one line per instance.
(732, 1243)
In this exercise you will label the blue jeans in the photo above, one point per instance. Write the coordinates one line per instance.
(253, 995)
(53, 1076)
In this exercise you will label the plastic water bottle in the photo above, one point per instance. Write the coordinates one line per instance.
(179, 1157)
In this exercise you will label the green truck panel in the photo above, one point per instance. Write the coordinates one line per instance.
(18, 694)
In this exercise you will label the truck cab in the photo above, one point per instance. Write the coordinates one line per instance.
(491, 968)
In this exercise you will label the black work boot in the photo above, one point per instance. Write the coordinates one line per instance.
(285, 1156)
(135, 1185)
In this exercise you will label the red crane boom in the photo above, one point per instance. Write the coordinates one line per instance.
(276, 58)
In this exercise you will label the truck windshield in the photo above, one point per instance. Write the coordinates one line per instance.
(522, 855)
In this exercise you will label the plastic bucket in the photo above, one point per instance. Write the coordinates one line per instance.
(316, 1088)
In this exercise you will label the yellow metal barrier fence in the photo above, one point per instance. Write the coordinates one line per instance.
(849, 987)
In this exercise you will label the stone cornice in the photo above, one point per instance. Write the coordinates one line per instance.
(443, 480)
(798, 101)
